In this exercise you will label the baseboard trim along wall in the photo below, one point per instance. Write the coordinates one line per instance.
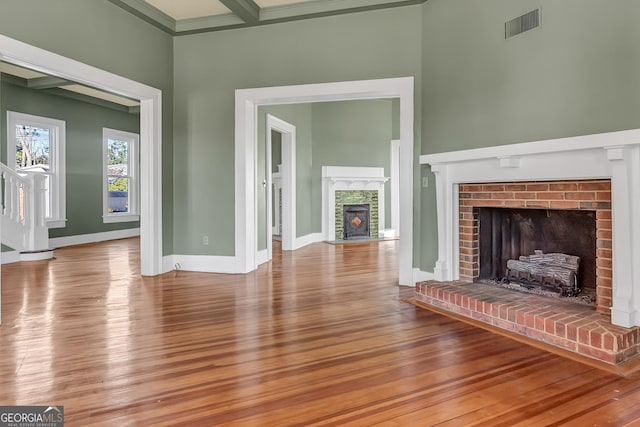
(82, 239)
(421, 276)
(307, 240)
(200, 263)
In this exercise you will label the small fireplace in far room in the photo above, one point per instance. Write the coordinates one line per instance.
(356, 221)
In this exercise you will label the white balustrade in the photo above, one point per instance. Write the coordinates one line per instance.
(22, 212)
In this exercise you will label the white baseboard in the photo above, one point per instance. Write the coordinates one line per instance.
(10, 257)
(307, 240)
(81, 239)
(203, 263)
(262, 257)
(421, 276)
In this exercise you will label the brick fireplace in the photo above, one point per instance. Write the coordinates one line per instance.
(585, 195)
(599, 174)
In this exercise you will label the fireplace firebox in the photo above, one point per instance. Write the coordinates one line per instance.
(356, 221)
(522, 235)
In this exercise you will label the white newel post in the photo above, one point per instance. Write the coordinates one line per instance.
(39, 235)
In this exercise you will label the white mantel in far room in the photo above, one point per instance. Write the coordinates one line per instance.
(339, 178)
(614, 155)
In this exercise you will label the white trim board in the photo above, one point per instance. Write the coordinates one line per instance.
(246, 105)
(25, 55)
(307, 240)
(288, 181)
(83, 239)
(202, 263)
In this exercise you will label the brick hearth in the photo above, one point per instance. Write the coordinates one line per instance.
(570, 326)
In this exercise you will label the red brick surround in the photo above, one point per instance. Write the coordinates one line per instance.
(593, 195)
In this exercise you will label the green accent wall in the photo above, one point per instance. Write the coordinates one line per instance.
(83, 125)
(576, 74)
(208, 69)
(351, 133)
(103, 35)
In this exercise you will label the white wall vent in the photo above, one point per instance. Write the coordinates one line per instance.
(523, 23)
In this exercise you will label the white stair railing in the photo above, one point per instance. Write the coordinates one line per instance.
(22, 210)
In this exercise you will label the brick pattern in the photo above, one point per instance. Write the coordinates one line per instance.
(593, 195)
(573, 327)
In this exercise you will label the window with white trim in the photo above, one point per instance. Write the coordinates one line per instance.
(120, 176)
(36, 145)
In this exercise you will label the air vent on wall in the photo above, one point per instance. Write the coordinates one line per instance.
(523, 23)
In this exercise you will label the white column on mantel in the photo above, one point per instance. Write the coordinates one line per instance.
(625, 198)
(445, 213)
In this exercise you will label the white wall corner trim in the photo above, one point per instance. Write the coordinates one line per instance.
(81, 239)
(25, 55)
(246, 104)
(614, 155)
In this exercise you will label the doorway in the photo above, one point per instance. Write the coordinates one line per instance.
(247, 102)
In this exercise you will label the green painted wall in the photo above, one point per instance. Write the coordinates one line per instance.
(84, 123)
(577, 74)
(209, 67)
(103, 35)
(353, 133)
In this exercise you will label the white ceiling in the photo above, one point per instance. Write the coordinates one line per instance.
(186, 9)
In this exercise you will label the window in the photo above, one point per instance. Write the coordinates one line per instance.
(120, 159)
(36, 145)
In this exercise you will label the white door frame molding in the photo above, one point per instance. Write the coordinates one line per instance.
(247, 102)
(288, 175)
(395, 186)
(25, 55)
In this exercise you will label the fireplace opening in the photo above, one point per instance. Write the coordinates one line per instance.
(356, 221)
(546, 249)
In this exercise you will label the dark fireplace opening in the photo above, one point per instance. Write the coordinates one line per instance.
(509, 234)
(356, 221)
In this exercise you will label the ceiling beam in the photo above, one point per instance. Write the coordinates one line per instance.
(248, 10)
(47, 82)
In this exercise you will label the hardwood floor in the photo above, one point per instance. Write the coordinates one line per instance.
(316, 337)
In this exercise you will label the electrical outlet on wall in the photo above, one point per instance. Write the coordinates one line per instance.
(205, 240)
(425, 181)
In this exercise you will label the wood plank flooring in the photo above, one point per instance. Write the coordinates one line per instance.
(320, 336)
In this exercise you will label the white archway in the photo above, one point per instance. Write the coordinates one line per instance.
(25, 55)
(246, 112)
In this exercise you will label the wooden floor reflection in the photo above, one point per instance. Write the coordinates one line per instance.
(315, 337)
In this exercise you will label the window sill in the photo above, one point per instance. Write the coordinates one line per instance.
(120, 218)
(56, 223)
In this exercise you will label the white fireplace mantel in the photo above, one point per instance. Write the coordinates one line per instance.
(337, 178)
(614, 155)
